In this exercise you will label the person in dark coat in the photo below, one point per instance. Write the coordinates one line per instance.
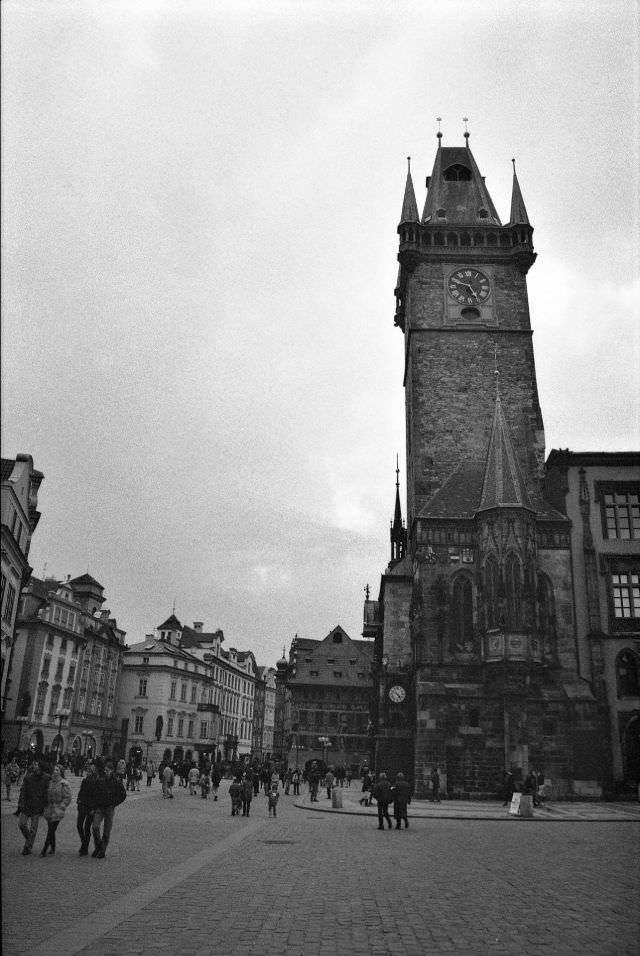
(435, 786)
(314, 782)
(381, 792)
(508, 788)
(108, 793)
(247, 794)
(235, 792)
(401, 800)
(31, 803)
(84, 802)
(366, 788)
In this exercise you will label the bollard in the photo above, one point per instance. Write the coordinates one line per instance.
(526, 806)
(336, 798)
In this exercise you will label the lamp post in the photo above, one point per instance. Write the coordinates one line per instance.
(61, 716)
(326, 743)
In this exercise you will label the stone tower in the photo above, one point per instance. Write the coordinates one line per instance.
(494, 678)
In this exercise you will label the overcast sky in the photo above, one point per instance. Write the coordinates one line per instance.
(200, 203)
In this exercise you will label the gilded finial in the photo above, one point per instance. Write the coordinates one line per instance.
(439, 120)
(465, 120)
(409, 164)
(366, 591)
(397, 472)
(496, 370)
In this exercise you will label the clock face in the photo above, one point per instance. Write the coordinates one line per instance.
(468, 286)
(397, 694)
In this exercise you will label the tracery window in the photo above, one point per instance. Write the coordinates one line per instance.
(461, 612)
(491, 586)
(513, 585)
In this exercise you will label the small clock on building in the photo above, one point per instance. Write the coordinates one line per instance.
(397, 694)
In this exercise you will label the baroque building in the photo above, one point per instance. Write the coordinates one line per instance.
(600, 494)
(476, 663)
(66, 665)
(20, 483)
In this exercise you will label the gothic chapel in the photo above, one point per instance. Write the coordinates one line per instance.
(476, 661)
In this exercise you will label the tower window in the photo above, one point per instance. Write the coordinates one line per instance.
(457, 173)
(483, 213)
(514, 591)
(441, 213)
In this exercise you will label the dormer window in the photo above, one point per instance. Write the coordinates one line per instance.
(441, 213)
(457, 174)
(483, 214)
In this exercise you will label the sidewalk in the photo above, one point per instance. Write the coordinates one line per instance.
(474, 810)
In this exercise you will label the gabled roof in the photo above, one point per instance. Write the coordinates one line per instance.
(85, 580)
(193, 638)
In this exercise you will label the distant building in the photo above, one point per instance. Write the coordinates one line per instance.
(600, 493)
(185, 697)
(325, 701)
(20, 483)
(66, 666)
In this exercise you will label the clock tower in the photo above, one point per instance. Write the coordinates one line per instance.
(486, 634)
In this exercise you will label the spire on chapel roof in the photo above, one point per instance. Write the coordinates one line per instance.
(518, 215)
(409, 204)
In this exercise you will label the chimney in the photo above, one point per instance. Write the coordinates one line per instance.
(197, 626)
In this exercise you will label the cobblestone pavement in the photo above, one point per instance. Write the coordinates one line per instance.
(184, 877)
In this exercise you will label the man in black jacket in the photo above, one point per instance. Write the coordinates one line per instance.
(31, 803)
(106, 794)
(401, 799)
(381, 792)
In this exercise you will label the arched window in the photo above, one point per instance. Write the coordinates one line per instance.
(513, 585)
(461, 613)
(546, 613)
(457, 173)
(491, 582)
(452, 239)
(627, 677)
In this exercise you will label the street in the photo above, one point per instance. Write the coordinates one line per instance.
(184, 876)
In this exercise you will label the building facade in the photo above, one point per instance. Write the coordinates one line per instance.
(600, 494)
(183, 696)
(19, 516)
(476, 665)
(326, 701)
(66, 665)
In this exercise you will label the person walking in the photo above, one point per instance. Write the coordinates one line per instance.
(295, 780)
(204, 783)
(31, 803)
(215, 781)
(366, 788)
(84, 802)
(508, 788)
(349, 775)
(151, 771)
(435, 786)
(235, 792)
(401, 800)
(381, 793)
(107, 794)
(314, 782)
(58, 799)
(247, 794)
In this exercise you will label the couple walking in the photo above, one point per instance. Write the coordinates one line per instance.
(399, 794)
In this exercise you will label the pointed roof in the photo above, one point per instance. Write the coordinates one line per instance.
(502, 484)
(457, 186)
(518, 215)
(171, 624)
(409, 205)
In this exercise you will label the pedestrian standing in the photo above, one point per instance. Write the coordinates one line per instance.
(107, 794)
(58, 799)
(295, 780)
(204, 783)
(193, 779)
(366, 788)
(381, 792)
(329, 781)
(85, 805)
(435, 785)
(31, 803)
(314, 782)
(167, 782)
(151, 772)
(401, 799)
(508, 788)
(273, 800)
(215, 781)
(348, 776)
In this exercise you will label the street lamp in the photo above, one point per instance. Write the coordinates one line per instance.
(61, 716)
(326, 743)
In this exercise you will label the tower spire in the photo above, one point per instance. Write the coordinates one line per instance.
(409, 204)
(398, 531)
(518, 215)
(503, 484)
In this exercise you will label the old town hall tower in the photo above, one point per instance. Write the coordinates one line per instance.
(476, 659)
